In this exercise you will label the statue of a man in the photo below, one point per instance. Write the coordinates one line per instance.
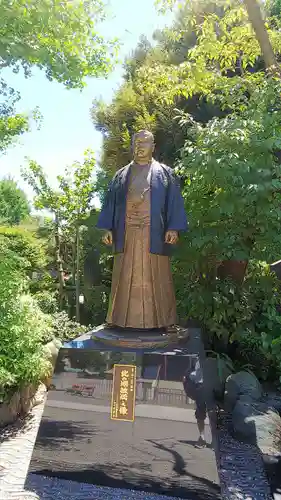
(143, 214)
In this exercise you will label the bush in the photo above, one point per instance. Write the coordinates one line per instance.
(25, 245)
(60, 325)
(65, 328)
(47, 301)
(241, 321)
(23, 329)
(14, 206)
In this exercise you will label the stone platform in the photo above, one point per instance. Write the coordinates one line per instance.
(82, 452)
(131, 338)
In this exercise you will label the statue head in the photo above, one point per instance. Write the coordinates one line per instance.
(143, 147)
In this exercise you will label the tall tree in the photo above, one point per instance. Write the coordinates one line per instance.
(255, 16)
(69, 204)
(176, 73)
(14, 205)
(57, 36)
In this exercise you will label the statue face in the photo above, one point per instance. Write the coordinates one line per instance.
(143, 147)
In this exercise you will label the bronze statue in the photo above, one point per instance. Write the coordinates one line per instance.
(143, 214)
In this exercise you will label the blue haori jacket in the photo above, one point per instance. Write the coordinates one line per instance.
(166, 208)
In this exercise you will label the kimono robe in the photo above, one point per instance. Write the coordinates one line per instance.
(141, 205)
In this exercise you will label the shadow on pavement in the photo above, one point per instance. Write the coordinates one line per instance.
(54, 434)
(197, 489)
(194, 443)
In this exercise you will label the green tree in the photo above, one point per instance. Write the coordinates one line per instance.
(59, 37)
(160, 79)
(14, 205)
(12, 124)
(69, 205)
(255, 16)
(26, 246)
(232, 180)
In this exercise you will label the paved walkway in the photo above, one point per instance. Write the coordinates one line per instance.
(16, 446)
(241, 465)
(142, 410)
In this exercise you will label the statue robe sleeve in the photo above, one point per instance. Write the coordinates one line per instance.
(106, 217)
(176, 215)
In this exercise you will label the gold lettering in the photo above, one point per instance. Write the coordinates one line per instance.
(124, 394)
(123, 410)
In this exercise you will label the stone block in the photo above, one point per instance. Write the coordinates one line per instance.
(253, 422)
(86, 446)
(241, 384)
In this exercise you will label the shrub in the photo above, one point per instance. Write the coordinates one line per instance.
(47, 301)
(242, 321)
(65, 328)
(25, 245)
(23, 329)
(14, 206)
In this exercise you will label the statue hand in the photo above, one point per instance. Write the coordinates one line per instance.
(107, 238)
(171, 237)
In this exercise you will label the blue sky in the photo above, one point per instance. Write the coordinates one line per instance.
(67, 130)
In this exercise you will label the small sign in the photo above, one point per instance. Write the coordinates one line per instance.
(123, 393)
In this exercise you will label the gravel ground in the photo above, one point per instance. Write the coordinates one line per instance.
(241, 470)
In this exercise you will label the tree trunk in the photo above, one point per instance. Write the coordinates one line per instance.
(73, 263)
(59, 262)
(77, 277)
(255, 17)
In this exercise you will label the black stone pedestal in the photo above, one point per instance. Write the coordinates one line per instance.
(81, 453)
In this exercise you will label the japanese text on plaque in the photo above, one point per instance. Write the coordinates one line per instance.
(123, 393)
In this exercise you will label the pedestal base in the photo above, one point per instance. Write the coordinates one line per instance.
(78, 441)
(138, 339)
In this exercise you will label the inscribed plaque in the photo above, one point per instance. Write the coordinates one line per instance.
(123, 393)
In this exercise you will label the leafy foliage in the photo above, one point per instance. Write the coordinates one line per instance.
(47, 301)
(209, 50)
(241, 321)
(10, 128)
(65, 329)
(233, 181)
(60, 325)
(273, 7)
(59, 37)
(22, 329)
(75, 189)
(25, 245)
(14, 206)
(69, 205)
(132, 109)
(225, 49)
